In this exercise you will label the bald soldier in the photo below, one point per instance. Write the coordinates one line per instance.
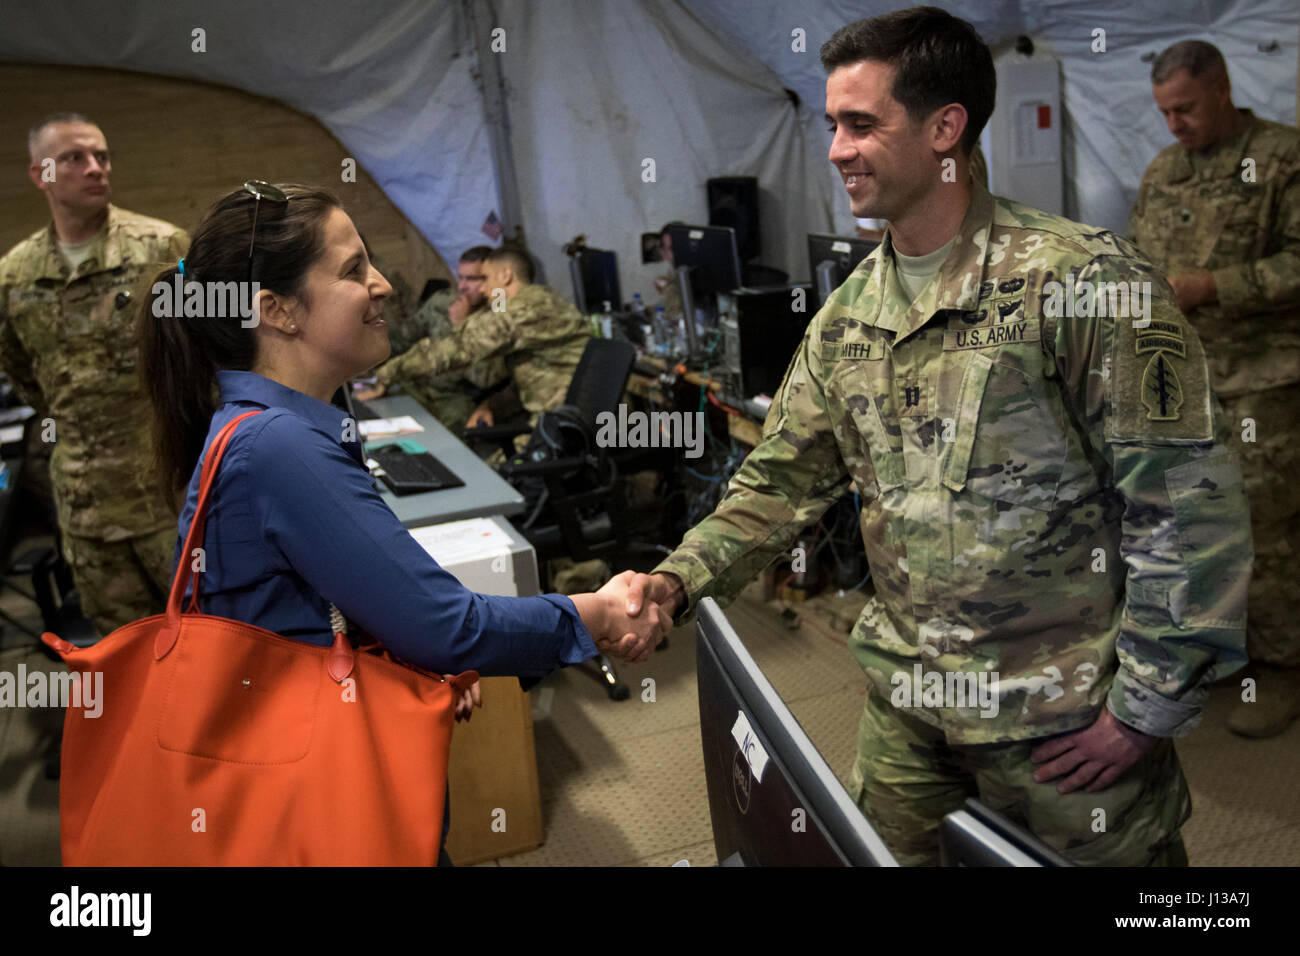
(539, 335)
(67, 339)
(1219, 212)
(1058, 542)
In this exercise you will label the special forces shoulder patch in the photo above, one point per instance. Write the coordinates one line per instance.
(1159, 383)
(1162, 392)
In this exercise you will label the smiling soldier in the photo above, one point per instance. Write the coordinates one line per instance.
(1044, 500)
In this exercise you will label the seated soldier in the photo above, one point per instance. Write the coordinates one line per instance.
(452, 398)
(538, 335)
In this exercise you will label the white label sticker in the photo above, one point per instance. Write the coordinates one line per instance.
(695, 233)
(747, 740)
(838, 246)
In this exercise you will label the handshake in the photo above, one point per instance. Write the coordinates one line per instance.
(631, 614)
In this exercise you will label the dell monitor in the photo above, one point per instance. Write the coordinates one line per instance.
(832, 258)
(773, 799)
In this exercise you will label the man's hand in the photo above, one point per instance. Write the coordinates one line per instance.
(663, 589)
(1094, 757)
(480, 416)
(367, 394)
(1193, 288)
(469, 699)
(458, 311)
(614, 630)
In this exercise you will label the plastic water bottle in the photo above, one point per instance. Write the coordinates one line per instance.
(638, 307)
(663, 335)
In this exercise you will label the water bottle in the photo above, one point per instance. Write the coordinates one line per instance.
(638, 307)
(663, 335)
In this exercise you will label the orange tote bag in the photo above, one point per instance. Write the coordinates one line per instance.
(221, 743)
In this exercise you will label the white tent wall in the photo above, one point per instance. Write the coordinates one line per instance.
(394, 82)
(595, 89)
(1111, 124)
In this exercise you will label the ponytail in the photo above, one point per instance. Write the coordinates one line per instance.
(180, 379)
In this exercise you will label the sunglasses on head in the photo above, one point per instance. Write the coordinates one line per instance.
(260, 190)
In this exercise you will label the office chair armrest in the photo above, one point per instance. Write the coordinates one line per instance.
(531, 469)
(496, 433)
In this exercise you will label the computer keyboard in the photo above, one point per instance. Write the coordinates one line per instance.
(409, 469)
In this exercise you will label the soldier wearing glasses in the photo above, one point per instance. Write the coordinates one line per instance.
(67, 341)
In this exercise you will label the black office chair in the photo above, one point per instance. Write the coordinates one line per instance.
(576, 504)
(51, 578)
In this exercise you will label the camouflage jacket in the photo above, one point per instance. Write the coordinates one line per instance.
(432, 320)
(671, 296)
(67, 339)
(539, 335)
(1042, 498)
(1237, 214)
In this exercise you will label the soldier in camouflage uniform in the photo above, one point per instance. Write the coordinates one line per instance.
(1219, 212)
(537, 334)
(67, 339)
(1045, 504)
(452, 398)
(669, 291)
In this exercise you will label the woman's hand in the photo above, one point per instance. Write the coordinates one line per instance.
(629, 637)
(467, 700)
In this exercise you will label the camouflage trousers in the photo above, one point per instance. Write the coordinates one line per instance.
(1270, 466)
(578, 577)
(449, 400)
(121, 581)
(907, 778)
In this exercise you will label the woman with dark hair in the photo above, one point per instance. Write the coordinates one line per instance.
(294, 524)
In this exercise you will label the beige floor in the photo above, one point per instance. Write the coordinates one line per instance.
(623, 782)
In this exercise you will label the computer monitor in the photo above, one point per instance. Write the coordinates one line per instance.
(772, 798)
(595, 279)
(710, 252)
(358, 410)
(977, 836)
(832, 258)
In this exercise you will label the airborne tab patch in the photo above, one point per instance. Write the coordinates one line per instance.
(1160, 343)
(1161, 336)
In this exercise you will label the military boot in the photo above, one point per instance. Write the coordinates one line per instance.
(1276, 704)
